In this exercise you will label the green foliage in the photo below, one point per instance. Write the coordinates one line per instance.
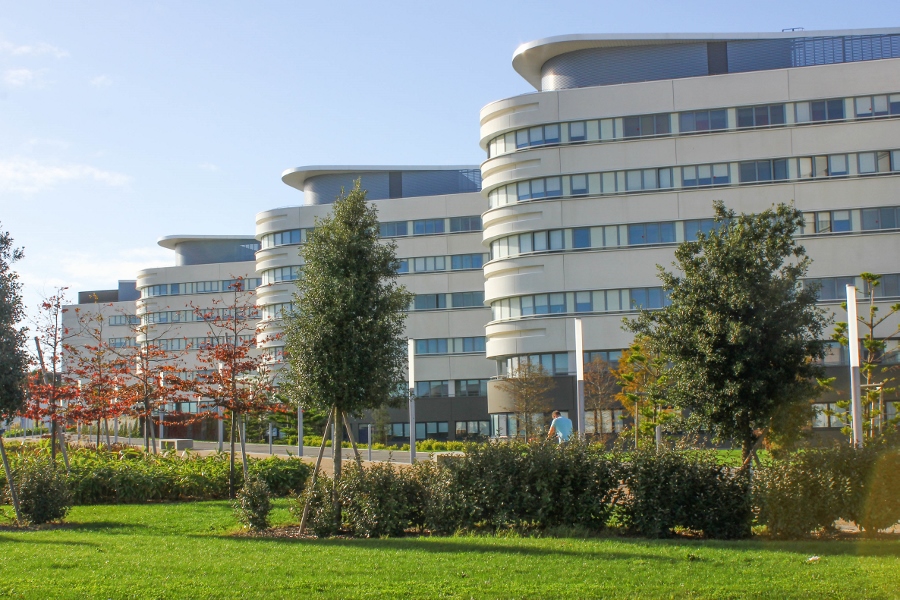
(129, 476)
(691, 490)
(252, 504)
(741, 332)
(318, 494)
(44, 496)
(380, 500)
(809, 490)
(345, 341)
(13, 358)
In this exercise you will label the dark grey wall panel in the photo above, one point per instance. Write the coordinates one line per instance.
(324, 189)
(204, 252)
(607, 66)
(759, 55)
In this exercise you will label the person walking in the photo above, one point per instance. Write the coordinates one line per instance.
(561, 427)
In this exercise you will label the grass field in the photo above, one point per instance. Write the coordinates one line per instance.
(188, 551)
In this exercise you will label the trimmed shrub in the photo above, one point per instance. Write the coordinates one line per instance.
(808, 491)
(252, 504)
(43, 494)
(321, 510)
(669, 489)
(380, 500)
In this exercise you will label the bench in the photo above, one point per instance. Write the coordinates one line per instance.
(176, 444)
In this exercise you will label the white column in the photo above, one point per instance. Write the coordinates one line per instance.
(853, 344)
(412, 400)
(579, 365)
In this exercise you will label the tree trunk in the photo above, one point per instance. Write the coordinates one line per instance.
(9, 479)
(353, 442)
(98, 435)
(336, 458)
(243, 434)
(315, 475)
(231, 459)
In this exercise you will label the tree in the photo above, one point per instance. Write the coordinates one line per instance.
(642, 374)
(740, 331)
(233, 374)
(52, 394)
(100, 371)
(345, 339)
(13, 357)
(600, 389)
(527, 386)
(871, 363)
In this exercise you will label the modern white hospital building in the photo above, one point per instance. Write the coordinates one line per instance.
(588, 183)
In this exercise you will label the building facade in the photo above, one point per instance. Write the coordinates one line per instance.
(434, 216)
(627, 142)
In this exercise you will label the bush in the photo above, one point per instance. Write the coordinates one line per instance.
(521, 485)
(808, 491)
(671, 489)
(43, 494)
(252, 504)
(380, 500)
(321, 520)
(131, 476)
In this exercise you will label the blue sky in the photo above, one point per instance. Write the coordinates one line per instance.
(121, 122)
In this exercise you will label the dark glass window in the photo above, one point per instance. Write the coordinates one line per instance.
(645, 125)
(465, 224)
(703, 120)
(764, 170)
(761, 116)
(393, 229)
(428, 226)
(581, 237)
(430, 301)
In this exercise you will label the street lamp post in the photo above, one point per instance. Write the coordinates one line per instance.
(579, 366)
(853, 342)
(411, 346)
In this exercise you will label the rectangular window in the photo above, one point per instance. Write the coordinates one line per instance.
(393, 229)
(557, 303)
(577, 131)
(581, 237)
(764, 170)
(703, 120)
(471, 387)
(432, 389)
(583, 302)
(557, 239)
(837, 165)
(820, 110)
(465, 224)
(403, 265)
(428, 226)
(579, 185)
(430, 301)
(466, 261)
(760, 116)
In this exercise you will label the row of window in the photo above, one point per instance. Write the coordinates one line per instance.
(608, 236)
(461, 388)
(828, 415)
(428, 429)
(191, 316)
(560, 303)
(669, 178)
(195, 343)
(200, 287)
(837, 354)
(430, 226)
(288, 237)
(455, 262)
(457, 345)
(697, 121)
(452, 300)
(507, 425)
(276, 311)
(279, 274)
(835, 288)
(123, 320)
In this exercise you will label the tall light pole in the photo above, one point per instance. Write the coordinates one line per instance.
(411, 346)
(853, 343)
(299, 430)
(579, 366)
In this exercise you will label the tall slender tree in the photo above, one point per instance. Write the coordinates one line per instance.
(13, 357)
(741, 331)
(345, 339)
(527, 387)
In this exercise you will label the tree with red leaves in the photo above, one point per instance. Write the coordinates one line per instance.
(234, 375)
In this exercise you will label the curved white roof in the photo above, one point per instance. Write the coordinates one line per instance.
(297, 177)
(170, 241)
(531, 56)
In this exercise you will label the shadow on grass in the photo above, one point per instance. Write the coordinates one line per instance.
(88, 526)
(802, 547)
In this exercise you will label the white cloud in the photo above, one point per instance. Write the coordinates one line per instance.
(102, 271)
(209, 167)
(19, 77)
(41, 49)
(29, 176)
(101, 81)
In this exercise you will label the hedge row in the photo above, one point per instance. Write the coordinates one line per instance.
(131, 476)
(540, 485)
(652, 494)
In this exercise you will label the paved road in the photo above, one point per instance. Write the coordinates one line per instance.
(313, 451)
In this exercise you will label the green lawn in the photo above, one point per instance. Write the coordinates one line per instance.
(187, 551)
